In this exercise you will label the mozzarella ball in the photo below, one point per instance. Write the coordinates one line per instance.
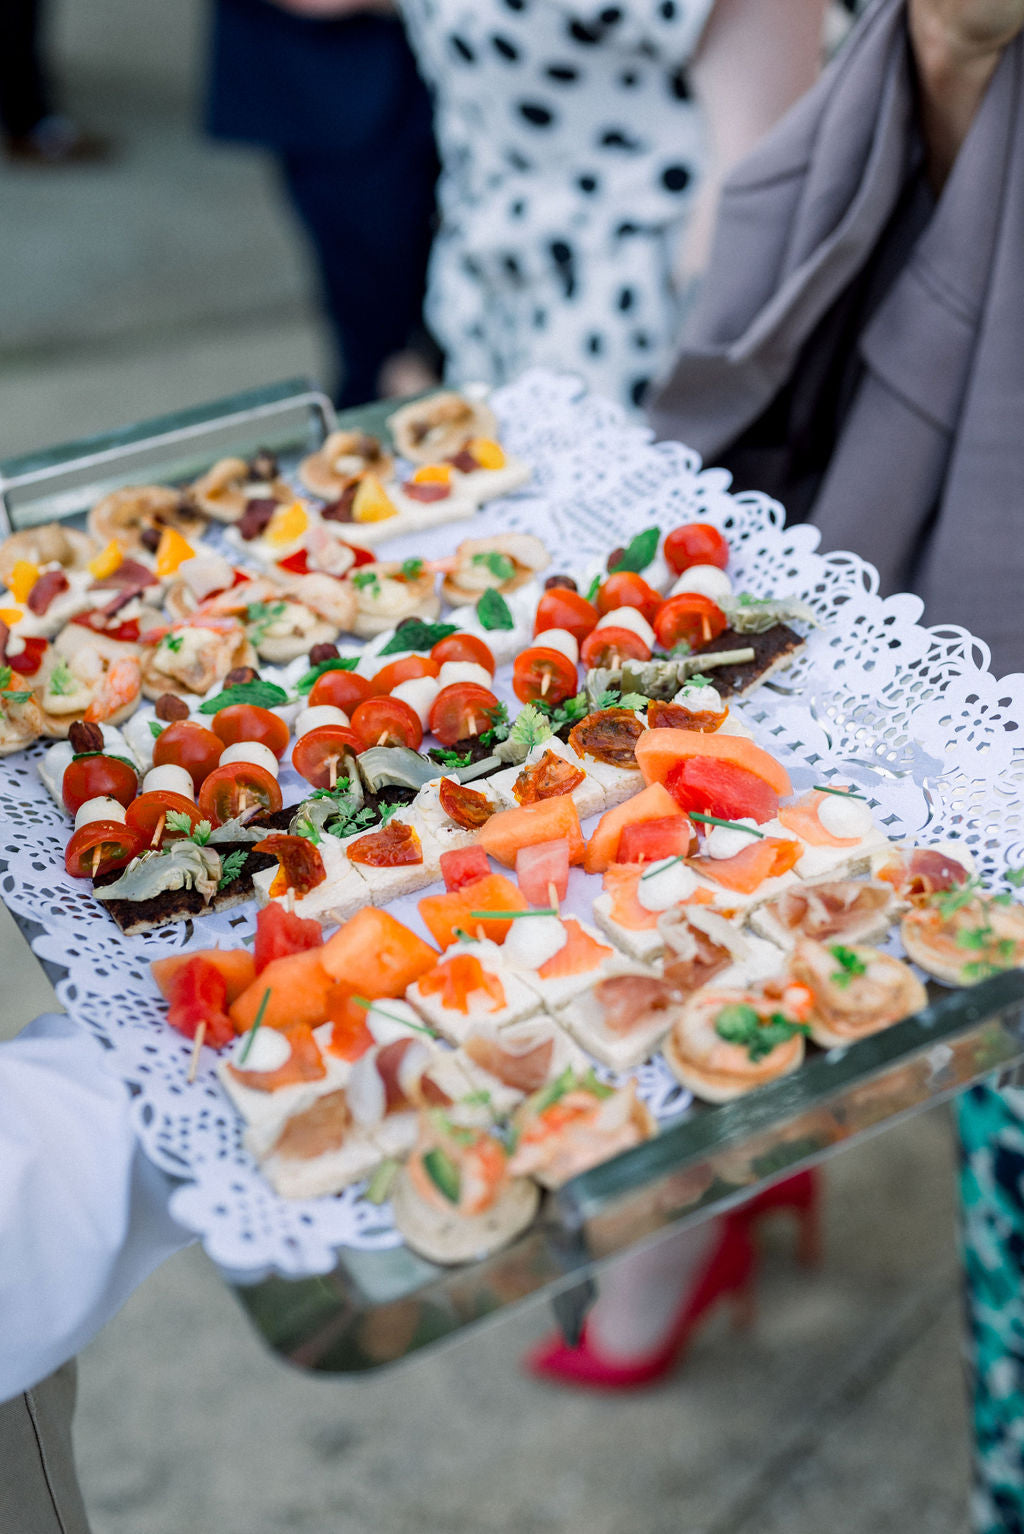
(320, 714)
(841, 815)
(419, 692)
(562, 641)
(453, 671)
(100, 808)
(252, 751)
(169, 780)
(629, 618)
(705, 581)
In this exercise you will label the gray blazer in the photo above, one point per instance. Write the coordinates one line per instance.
(846, 309)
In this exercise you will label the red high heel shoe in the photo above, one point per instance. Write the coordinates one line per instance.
(727, 1274)
(799, 1195)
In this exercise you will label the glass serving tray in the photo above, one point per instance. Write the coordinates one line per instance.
(376, 1306)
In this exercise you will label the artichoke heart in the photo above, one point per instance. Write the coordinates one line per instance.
(181, 865)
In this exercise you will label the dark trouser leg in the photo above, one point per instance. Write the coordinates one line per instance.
(370, 225)
(39, 1491)
(24, 98)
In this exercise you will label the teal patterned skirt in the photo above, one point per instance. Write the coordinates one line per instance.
(992, 1204)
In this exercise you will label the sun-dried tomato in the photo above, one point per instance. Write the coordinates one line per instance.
(608, 736)
(673, 716)
(427, 492)
(549, 778)
(466, 806)
(301, 866)
(393, 846)
(49, 585)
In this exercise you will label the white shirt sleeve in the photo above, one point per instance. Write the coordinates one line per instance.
(83, 1214)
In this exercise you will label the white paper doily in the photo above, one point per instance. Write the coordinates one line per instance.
(910, 713)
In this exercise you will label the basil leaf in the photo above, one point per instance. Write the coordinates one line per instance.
(414, 634)
(156, 729)
(639, 552)
(494, 612)
(339, 663)
(262, 694)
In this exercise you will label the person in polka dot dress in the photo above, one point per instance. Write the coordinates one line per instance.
(572, 143)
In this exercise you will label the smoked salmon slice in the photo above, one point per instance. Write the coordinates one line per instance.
(748, 870)
(580, 954)
(802, 818)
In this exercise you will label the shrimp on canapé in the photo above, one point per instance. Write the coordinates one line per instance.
(857, 990)
(727, 1042)
(118, 690)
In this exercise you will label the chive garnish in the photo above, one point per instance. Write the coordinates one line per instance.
(660, 868)
(843, 793)
(404, 1022)
(730, 825)
(243, 1057)
(511, 915)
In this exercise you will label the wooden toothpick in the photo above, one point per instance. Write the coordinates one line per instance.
(197, 1044)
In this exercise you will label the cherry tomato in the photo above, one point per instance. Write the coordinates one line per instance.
(93, 777)
(188, 745)
(545, 674)
(463, 647)
(560, 608)
(387, 722)
(99, 847)
(689, 619)
(343, 689)
(148, 815)
(404, 670)
(247, 721)
(319, 755)
(610, 646)
(232, 790)
(698, 543)
(626, 589)
(462, 710)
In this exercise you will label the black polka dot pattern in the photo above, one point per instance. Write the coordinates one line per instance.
(571, 145)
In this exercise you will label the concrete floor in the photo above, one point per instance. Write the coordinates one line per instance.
(170, 277)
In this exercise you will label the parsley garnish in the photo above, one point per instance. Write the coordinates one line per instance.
(742, 1024)
(850, 965)
(305, 827)
(613, 698)
(639, 552)
(231, 867)
(530, 727)
(6, 677)
(494, 612)
(174, 641)
(61, 681)
(366, 578)
(445, 758)
(338, 663)
(569, 712)
(500, 566)
(954, 899)
(387, 812)
(260, 617)
(262, 694)
(177, 820)
(414, 634)
(411, 569)
(499, 725)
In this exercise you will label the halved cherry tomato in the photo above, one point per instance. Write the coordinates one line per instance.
(405, 670)
(689, 619)
(387, 722)
(247, 721)
(343, 689)
(543, 673)
(648, 841)
(698, 543)
(232, 790)
(462, 866)
(462, 710)
(610, 646)
(627, 589)
(319, 755)
(93, 777)
(463, 647)
(560, 608)
(148, 815)
(100, 847)
(188, 745)
(30, 657)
